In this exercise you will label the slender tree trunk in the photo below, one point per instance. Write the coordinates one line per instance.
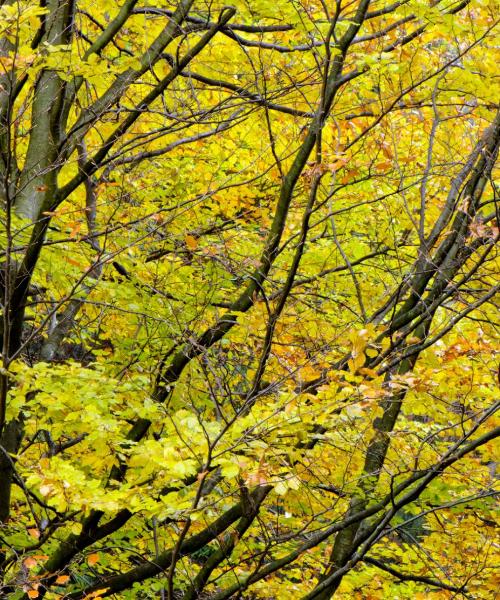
(345, 541)
(37, 187)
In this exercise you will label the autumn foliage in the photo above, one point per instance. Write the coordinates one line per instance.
(249, 299)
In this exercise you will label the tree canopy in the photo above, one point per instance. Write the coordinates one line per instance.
(249, 299)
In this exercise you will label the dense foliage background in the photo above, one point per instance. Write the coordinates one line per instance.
(249, 299)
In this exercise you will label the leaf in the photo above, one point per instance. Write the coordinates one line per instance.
(92, 559)
(281, 488)
(46, 489)
(75, 229)
(257, 353)
(230, 469)
(191, 242)
(30, 562)
(97, 594)
(76, 528)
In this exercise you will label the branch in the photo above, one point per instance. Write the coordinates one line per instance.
(115, 161)
(242, 92)
(407, 577)
(112, 29)
(94, 163)
(364, 542)
(315, 539)
(153, 10)
(123, 81)
(169, 374)
(117, 583)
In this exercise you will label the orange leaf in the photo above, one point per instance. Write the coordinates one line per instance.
(33, 594)
(191, 242)
(337, 164)
(62, 579)
(202, 475)
(386, 149)
(92, 559)
(75, 229)
(350, 175)
(29, 562)
(73, 262)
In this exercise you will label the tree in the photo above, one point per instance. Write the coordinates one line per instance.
(248, 299)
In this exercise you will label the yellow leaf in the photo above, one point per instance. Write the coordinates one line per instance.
(281, 489)
(97, 594)
(230, 469)
(44, 463)
(76, 528)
